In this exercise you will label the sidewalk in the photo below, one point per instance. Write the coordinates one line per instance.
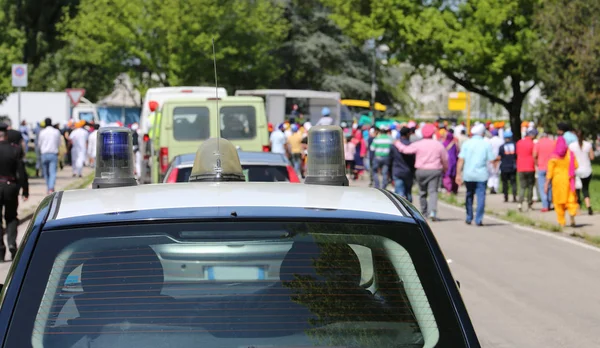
(494, 205)
(587, 226)
(38, 190)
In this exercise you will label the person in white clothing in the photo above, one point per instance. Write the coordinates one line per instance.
(326, 119)
(48, 141)
(79, 138)
(278, 140)
(584, 154)
(494, 167)
(91, 147)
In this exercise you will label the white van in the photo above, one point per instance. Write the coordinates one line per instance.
(153, 100)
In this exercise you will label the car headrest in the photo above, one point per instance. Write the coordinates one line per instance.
(321, 261)
(137, 272)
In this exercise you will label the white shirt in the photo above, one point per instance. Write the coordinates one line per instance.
(49, 140)
(582, 154)
(79, 139)
(278, 141)
(496, 143)
(325, 121)
(91, 149)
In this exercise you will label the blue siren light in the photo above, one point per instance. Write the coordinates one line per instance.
(114, 158)
(326, 163)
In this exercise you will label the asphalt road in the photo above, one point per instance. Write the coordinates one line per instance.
(522, 289)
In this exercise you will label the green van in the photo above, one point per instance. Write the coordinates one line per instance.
(182, 125)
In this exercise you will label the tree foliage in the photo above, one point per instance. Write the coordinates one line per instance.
(482, 45)
(568, 61)
(164, 43)
(11, 41)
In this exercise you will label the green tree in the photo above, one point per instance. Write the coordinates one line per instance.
(568, 62)
(164, 43)
(11, 41)
(482, 45)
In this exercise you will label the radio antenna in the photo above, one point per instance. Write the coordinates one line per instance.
(218, 112)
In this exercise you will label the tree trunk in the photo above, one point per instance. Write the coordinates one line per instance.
(514, 114)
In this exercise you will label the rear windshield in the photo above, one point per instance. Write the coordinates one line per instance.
(226, 284)
(260, 173)
(238, 122)
(191, 123)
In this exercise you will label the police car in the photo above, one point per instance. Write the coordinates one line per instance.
(219, 262)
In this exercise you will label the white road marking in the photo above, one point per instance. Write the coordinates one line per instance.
(532, 230)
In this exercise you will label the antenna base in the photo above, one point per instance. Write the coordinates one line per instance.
(110, 183)
(327, 180)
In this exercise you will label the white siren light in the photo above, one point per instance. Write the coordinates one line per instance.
(326, 163)
(216, 160)
(114, 158)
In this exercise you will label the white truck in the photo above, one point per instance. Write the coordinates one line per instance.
(37, 106)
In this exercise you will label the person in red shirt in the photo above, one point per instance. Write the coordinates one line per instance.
(526, 168)
(542, 152)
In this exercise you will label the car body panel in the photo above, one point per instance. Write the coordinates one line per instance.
(226, 194)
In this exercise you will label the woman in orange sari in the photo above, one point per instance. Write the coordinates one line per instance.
(561, 171)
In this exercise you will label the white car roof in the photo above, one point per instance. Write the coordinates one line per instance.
(78, 203)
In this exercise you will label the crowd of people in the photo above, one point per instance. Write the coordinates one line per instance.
(438, 157)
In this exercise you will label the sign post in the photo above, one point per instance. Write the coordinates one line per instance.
(459, 101)
(19, 80)
(75, 94)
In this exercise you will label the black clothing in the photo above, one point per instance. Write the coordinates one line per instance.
(403, 166)
(12, 179)
(509, 178)
(508, 157)
(14, 136)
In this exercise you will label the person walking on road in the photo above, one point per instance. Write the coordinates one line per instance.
(431, 162)
(494, 180)
(585, 155)
(12, 180)
(449, 179)
(326, 119)
(295, 142)
(403, 167)
(278, 140)
(381, 163)
(473, 160)
(79, 138)
(508, 166)
(526, 168)
(49, 143)
(561, 173)
(542, 152)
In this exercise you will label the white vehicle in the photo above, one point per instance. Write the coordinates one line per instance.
(153, 101)
(37, 106)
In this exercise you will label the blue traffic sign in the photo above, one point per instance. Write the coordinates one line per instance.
(19, 71)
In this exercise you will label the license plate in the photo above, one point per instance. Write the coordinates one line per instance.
(235, 273)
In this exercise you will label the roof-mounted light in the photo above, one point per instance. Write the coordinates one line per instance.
(326, 163)
(114, 158)
(217, 159)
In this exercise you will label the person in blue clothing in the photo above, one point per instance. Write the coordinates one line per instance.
(402, 167)
(507, 156)
(473, 159)
(326, 119)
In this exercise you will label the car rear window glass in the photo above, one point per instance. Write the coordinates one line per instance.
(243, 284)
(256, 173)
(238, 122)
(191, 123)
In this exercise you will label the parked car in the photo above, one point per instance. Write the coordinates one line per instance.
(258, 166)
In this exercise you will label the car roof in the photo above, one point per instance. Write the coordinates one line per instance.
(200, 99)
(77, 203)
(246, 157)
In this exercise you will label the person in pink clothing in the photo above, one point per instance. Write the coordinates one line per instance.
(431, 162)
(542, 153)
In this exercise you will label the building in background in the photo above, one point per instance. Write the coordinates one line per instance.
(122, 105)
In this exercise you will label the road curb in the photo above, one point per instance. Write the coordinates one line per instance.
(79, 184)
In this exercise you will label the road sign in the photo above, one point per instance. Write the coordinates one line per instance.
(19, 75)
(457, 101)
(75, 94)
